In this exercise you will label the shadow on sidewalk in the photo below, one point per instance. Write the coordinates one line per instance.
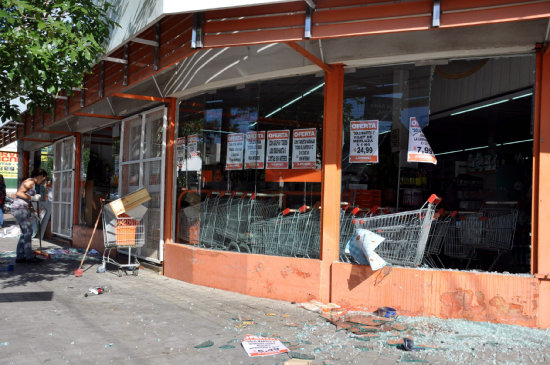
(46, 271)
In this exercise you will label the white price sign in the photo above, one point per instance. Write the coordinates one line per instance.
(419, 148)
(254, 155)
(180, 152)
(277, 149)
(235, 145)
(262, 346)
(363, 145)
(192, 145)
(304, 148)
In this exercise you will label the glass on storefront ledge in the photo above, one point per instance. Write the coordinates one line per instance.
(248, 166)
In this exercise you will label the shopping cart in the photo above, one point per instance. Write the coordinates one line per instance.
(251, 210)
(294, 233)
(121, 232)
(405, 233)
(438, 232)
(499, 221)
(208, 219)
(462, 237)
(225, 219)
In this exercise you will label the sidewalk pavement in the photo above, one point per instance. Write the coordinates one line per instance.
(151, 319)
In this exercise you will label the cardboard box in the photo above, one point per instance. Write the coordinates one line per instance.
(130, 201)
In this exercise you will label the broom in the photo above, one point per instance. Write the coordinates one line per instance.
(78, 272)
(39, 251)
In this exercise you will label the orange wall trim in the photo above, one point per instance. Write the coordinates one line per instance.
(282, 278)
(509, 299)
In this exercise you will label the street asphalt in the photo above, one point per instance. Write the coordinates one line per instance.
(150, 319)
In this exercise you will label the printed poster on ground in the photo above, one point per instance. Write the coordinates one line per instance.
(254, 155)
(262, 346)
(363, 145)
(304, 148)
(419, 148)
(235, 146)
(278, 149)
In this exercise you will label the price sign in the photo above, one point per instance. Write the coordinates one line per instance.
(180, 152)
(304, 148)
(277, 149)
(419, 148)
(254, 155)
(192, 143)
(235, 145)
(262, 346)
(363, 141)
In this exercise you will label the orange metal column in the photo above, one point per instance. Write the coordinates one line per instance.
(541, 188)
(331, 176)
(169, 170)
(77, 156)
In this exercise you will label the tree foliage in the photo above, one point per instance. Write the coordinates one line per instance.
(47, 46)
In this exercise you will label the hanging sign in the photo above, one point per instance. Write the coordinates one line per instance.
(304, 148)
(192, 145)
(277, 149)
(194, 161)
(262, 346)
(363, 145)
(235, 146)
(254, 154)
(419, 148)
(180, 153)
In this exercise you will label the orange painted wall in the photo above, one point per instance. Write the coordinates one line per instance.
(510, 299)
(273, 277)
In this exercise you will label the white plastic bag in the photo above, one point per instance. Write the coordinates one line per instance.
(362, 245)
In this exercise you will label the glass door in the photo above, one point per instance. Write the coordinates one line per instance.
(142, 166)
(63, 187)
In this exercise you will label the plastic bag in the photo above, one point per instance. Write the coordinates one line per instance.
(362, 247)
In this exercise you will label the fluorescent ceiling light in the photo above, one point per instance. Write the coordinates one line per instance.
(514, 142)
(480, 107)
(482, 147)
(296, 99)
(475, 148)
(522, 96)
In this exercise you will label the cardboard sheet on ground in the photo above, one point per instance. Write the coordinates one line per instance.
(262, 346)
(362, 247)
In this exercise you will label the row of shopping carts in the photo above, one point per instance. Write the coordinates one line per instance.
(462, 236)
(255, 224)
(226, 220)
(249, 223)
(252, 223)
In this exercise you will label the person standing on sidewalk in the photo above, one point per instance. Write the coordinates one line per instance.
(21, 209)
(2, 199)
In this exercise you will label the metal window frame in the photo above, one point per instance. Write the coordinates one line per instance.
(141, 161)
(56, 204)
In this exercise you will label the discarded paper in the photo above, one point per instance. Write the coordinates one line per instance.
(262, 346)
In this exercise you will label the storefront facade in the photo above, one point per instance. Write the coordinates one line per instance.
(259, 129)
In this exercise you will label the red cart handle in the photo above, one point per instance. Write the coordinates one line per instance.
(434, 199)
